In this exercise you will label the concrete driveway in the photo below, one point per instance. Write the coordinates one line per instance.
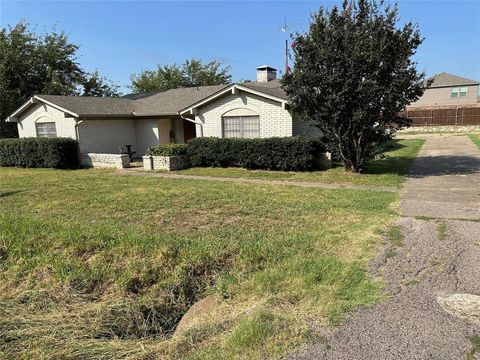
(433, 278)
(445, 180)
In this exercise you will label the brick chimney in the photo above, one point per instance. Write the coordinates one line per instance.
(266, 73)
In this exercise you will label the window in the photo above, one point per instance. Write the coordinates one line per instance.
(241, 126)
(459, 92)
(46, 129)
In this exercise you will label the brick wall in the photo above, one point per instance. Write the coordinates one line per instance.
(105, 160)
(274, 121)
(165, 163)
(106, 136)
(44, 113)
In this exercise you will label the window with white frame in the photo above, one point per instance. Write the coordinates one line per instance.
(241, 126)
(459, 92)
(46, 129)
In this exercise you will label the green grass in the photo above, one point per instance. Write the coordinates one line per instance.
(475, 340)
(395, 236)
(389, 171)
(95, 265)
(475, 138)
(442, 231)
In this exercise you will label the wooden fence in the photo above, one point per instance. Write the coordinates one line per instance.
(461, 116)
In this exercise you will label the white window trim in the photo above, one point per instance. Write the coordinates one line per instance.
(241, 130)
(456, 92)
(46, 133)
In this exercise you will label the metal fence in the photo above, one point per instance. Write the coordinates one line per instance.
(459, 116)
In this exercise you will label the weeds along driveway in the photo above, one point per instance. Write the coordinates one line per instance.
(436, 257)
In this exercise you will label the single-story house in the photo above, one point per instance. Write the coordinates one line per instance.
(106, 125)
(448, 90)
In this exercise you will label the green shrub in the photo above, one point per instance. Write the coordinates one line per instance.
(168, 150)
(61, 153)
(286, 154)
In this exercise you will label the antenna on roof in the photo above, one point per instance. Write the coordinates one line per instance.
(285, 28)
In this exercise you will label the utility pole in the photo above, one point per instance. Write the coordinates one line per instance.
(285, 29)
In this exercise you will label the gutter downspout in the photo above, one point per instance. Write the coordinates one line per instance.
(77, 138)
(195, 122)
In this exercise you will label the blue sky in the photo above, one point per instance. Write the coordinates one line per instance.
(123, 37)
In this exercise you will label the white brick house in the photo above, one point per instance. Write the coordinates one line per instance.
(108, 125)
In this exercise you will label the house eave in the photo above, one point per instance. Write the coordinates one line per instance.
(452, 85)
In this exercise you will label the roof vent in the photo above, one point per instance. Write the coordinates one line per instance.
(266, 73)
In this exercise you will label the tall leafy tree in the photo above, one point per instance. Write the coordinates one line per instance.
(192, 73)
(353, 74)
(33, 63)
(96, 85)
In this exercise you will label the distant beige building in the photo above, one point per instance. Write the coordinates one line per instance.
(449, 90)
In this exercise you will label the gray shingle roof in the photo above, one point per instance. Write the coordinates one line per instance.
(273, 88)
(168, 102)
(445, 79)
(171, 101)
(85, 105)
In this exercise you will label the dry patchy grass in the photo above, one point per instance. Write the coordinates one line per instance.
(96, 266)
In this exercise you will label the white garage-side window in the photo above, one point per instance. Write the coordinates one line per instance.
(46, 129)
(241, 126)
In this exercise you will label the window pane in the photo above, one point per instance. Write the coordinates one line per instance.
(241, 126)
(455, 92)
(463, 91)
(47, 129)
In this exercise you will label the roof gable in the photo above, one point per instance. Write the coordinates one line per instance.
(445, 79)
(271, 90)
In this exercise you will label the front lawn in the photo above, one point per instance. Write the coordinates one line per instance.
(389, 171)
(99, 266)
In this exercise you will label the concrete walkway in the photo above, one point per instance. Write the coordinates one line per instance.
(307, 184)
(439, 259)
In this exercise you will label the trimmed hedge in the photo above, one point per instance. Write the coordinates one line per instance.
(61, 153)
(168, 150)
(286, 154)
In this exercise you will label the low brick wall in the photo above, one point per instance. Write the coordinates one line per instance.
(168, 163)
(440, 129)
(95, 160)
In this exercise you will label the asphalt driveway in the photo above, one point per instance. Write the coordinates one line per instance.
(437, 264)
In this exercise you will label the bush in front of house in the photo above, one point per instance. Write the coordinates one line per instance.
(286, 154)
(168, 150)
(60, 153)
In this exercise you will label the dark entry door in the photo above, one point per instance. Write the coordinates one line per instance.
(189, 131)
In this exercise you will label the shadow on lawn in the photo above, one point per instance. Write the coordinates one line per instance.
(9, 193)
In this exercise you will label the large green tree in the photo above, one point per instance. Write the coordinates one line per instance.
(353, 74)
(192, 73)
(96, 85)
(33, 63)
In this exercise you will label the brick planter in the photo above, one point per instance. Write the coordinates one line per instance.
(168, 163)
(95, 160)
